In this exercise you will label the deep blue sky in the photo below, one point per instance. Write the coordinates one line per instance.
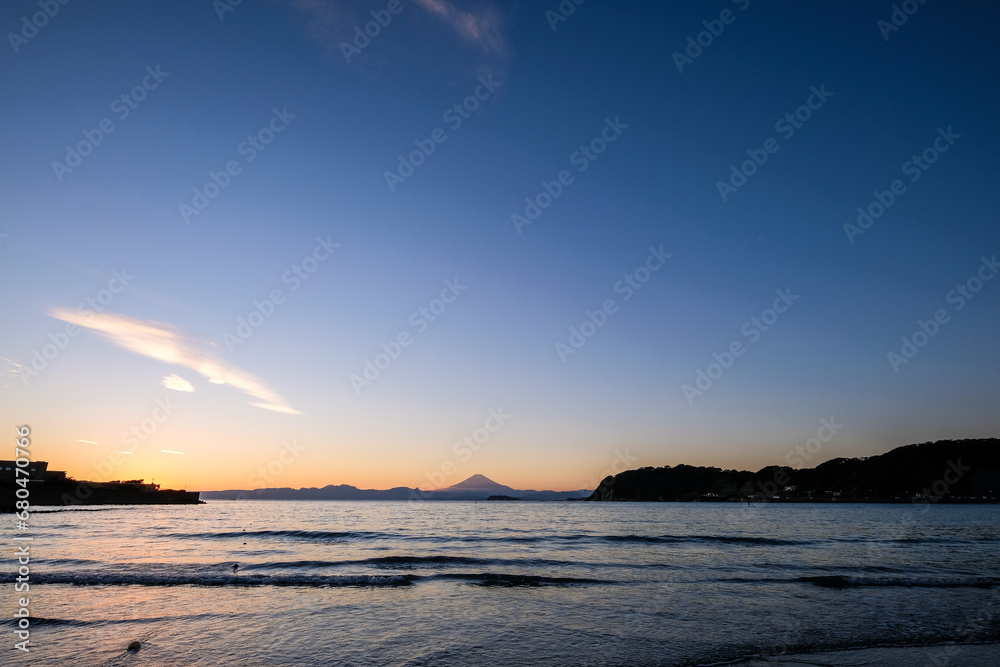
(495, 346)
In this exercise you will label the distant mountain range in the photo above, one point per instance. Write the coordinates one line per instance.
(477, 487)
(942, 471)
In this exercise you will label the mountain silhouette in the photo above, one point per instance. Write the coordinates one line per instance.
(479, 483)
(477, 487)
(942, 471)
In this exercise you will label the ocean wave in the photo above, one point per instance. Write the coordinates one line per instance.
(513, 580)
(781, 542)
(64, 561)
(210, 580)
(722, 539)
(926, 539)
(36, 621)
(301, 535)
(248, 579)
(842, 581)
(327, 536)
(635, 539)
(570, 538)
(102, 508)
(941, 540)
(379, 561)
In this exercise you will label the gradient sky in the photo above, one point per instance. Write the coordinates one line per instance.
(620, 396)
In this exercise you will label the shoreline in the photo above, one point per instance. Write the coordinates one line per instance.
(971, 654)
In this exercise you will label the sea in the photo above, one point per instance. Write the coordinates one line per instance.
(497, 583)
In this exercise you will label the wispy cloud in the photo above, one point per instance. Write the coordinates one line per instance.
(330, 20)
(323, 18)
(9, 369)
(166, 343)
(481, 27)
(177, 383)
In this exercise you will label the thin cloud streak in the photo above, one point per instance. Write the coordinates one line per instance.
(165, 342)
(323, 19)
(327, 21)
(481, 28)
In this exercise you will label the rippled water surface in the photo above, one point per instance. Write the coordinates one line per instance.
(461, 583)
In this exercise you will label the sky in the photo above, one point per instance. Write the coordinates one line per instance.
(308, 242)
